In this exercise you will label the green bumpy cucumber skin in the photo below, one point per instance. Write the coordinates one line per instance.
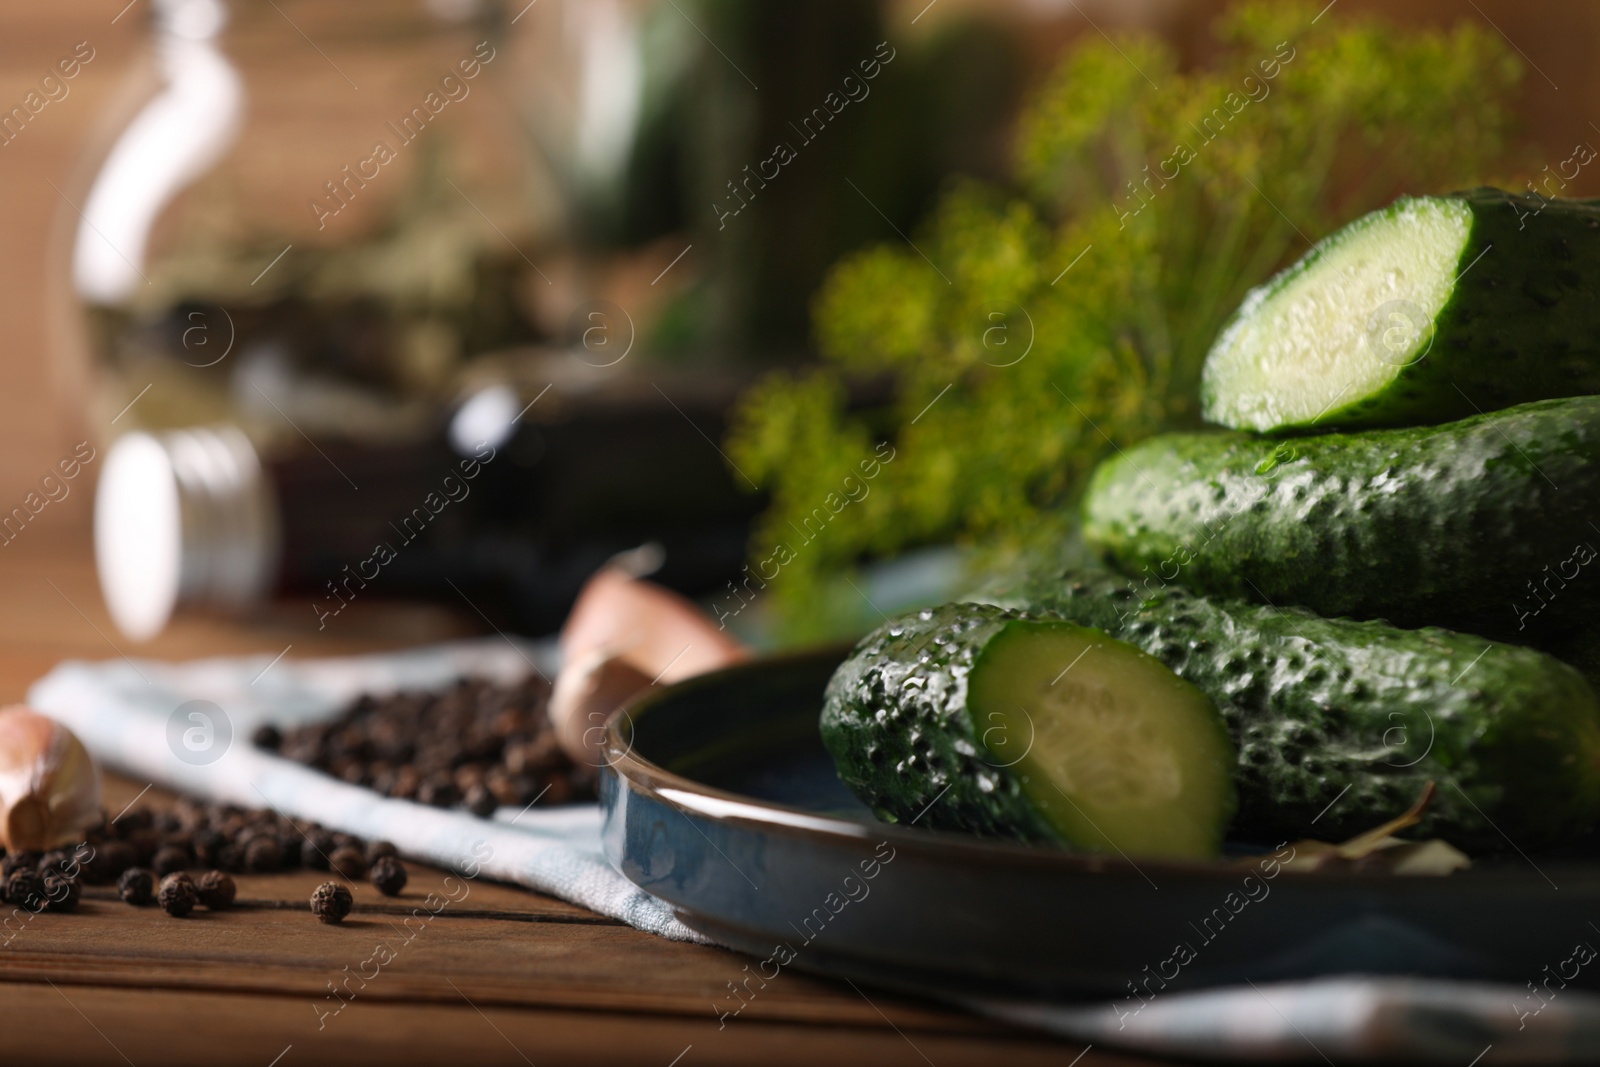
(1520, 324)
(895, 722)
(1510, 736)
(1481, 525)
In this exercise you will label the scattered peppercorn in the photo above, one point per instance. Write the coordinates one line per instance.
(99, 867)
(178, 895)
(268, 737)
(16, 861)
(439, 791)
(169, 858)
(58, 859)
(315, 848)
(263, 854)
(60, 892)
(290, 845)
(376, 850)
(216, 890)
(348, 861)
(136, 886)
(331, 902)
(230, 857)
(480, 801)
(207, 844)
(25, 888)
(389, 875)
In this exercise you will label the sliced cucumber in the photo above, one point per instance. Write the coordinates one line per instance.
(1426, 311)
(1125, 755)
(972, 718)
(1341, 724)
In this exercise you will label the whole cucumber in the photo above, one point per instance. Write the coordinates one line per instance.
(972, 718)
(1341, 724)
(1485, 525)
(1426, 311)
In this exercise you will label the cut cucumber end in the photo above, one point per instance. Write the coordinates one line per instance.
(1341, 324)
(1115, 752)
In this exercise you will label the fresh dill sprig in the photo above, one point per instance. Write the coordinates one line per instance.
(1148, 199)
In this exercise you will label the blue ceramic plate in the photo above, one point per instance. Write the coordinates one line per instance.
(722, 801)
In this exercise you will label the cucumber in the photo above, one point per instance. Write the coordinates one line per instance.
(1341, 724)
(1424, 312)
(971, 718)
(1480, 525)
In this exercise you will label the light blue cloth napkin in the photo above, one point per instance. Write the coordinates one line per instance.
(139, 717)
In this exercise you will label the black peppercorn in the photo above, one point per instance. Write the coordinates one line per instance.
(389, 875)
(263, 854)
(290, 845)
(348, 861)
(25, 888)
(169, 858)
(331, 902)
(207, 845)
(60, 892)
(439, 791)
(16, 861)
(480, 801)
(59, 859)
(130, 822)
(144, 843)
(117, 856)
(316, 847)
(96, 861)
(376, 850)
(268, 737)
(216, 890)
(178, 895)
(136, 886)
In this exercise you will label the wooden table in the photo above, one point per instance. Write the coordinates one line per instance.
(500, 975)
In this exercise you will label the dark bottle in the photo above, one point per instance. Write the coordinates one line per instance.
(508, 511)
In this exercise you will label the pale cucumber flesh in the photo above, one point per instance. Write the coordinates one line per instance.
(1112, 749)
(1340, 326)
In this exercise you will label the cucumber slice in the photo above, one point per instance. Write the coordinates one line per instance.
(1423, 312)
(1125, 755)
(971, 718)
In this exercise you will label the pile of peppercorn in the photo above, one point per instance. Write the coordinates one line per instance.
(477, 745)
(148, 854)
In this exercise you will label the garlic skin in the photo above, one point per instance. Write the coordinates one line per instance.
(624, 635)
(49, 787)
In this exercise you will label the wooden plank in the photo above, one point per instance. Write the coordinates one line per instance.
(211, 1029)
(402, 952)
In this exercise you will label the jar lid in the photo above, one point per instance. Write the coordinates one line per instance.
(183, 518)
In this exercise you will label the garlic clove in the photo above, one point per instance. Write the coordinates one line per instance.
(663, 634)
(49, 787)
(587, 693)
(625, 634)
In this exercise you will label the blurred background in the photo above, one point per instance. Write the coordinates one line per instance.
(771, 296)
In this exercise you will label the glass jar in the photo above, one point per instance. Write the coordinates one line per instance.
(316, 215)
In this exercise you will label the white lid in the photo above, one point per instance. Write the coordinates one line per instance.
(183, 517)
